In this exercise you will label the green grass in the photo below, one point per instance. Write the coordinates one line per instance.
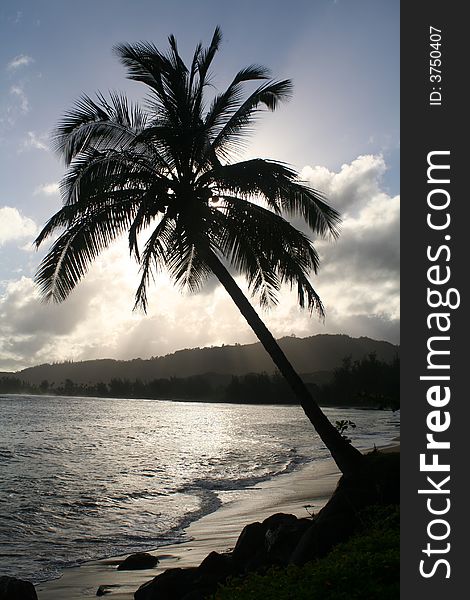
(366, 567)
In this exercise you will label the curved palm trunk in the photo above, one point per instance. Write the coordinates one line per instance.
(345, 455)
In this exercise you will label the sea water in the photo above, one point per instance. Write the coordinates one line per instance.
(89, 478)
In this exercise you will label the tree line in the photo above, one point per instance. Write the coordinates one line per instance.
(368, 383)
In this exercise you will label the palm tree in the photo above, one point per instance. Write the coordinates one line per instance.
(169, 167)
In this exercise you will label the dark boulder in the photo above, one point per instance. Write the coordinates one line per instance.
(216, 567)
(278, 519)
(103, 590)
(140, 560)
(249, 550)
(172, 584)
(282, 539)
(269, 542)
(16, 589)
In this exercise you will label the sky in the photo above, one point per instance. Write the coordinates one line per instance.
(340, 131)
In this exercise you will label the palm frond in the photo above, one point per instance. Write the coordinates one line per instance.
(224, 104)
(98, 125)
(202, 62)
(170, 248)
(78, 246)
(229, 138)
(94, 172)
(279, 186)
(207, 55)
(144, 62)
(153, 258)
(187, 266)
(267, 249)
(194, 68)
(151, 204)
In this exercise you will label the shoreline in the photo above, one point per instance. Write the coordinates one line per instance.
(198, 400)
(312, 484)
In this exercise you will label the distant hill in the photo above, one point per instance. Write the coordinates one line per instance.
(310, 356)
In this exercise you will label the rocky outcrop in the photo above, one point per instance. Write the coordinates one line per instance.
(377, 483)
(16, 589)
(283, 539)
(268, 543)
(259, 545)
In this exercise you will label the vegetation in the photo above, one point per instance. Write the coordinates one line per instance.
(371, 384)
(366, 382)
(170, 168)
(366, 567)
(13, 385)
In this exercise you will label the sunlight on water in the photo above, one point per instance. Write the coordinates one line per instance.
(85, 478)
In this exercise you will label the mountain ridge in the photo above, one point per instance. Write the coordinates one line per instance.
(322, 352)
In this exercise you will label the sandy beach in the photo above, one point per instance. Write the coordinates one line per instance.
(311, 485)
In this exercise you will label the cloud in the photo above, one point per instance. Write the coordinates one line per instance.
(355, 185)
(31, 330)
(13, 106)
(358, 282)
(47, 189)
(22, 100)
(14, 226)
(359, 276)
(22, 60)
(35, 142)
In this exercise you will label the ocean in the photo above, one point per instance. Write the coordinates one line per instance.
(89, 478)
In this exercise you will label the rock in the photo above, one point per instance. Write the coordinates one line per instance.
(281, 541)
(140, 560)
(172, 584)
(102, 590)
(249, 550)
(216, 567)
(278, 519)
(105, 589)
(16, 589)
(256, 541)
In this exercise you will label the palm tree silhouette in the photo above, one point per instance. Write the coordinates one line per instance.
(168, 167)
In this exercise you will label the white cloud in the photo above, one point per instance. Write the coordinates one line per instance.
(22, 100)
(47, 189)
(22, 60)
(34, 141)
(359, 277)
(355, 184)
(14, 226)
